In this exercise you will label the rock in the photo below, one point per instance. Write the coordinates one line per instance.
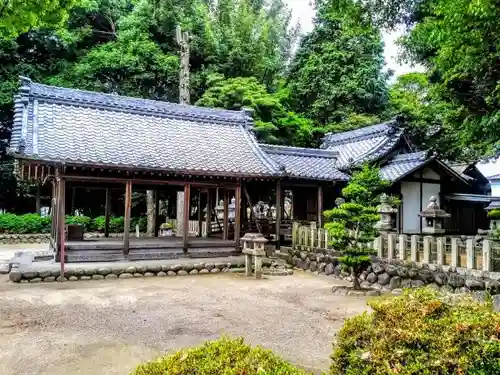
(440, 278)
(266, 262)
(161, 274)
(403, 272)
(373, 292)
(30, 274)
(38, 280)
(59, 278)
(406, 283)
(446, 289)
(154, 269)
(88, 271)
(184, 273)
(69, 272)
(137, 275)
(356, 293)
(417, 283)
(366, 285)
(493, 286)
(386, 289)
(434, 286)
(199, 266)
(15, 275)
(171, 273)
(413, 273)
(377, 268)
(126, 275)
(395, 282)
(104, 271)
(111, 276)
(49, 279)
(193, 272)
(24, 281)
(321, 267)
(456, 280)
(372, 278)
(130, 270)
(474, 284)
(397, 291)
(289, 272)
(303, 255)
(97, 277)
(140, 269)
(376, 286)
(425, 275)
(479, 296)
(44, 274)
(204, 271)
(78, 272)
(4, 268)
(187, 267)
(329, 269)
(340, 290)
(215, 270)
(463, 290)
(313, 266)
(149, 274)
(337, 270)
(383, 279)
(391, 270)
(209, 266)
(73, 278)
(165, 268)
(496, 302)
(303, 264)
(85, 278)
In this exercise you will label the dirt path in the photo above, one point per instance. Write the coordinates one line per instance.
(108, 327)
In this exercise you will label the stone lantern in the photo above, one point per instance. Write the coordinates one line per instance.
(254, 247)
(219, 210)
(434, 217)
(386, 212)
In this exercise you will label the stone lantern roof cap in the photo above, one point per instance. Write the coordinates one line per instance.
(433, 210)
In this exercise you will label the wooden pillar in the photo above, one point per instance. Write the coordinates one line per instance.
(61, 223)
(209, 213)
(237, 216)
(225, 228)
(38, 203)
(54, 213)
(320, 206)
(187, 199)
(73, 196)
(107, 212)
(126, 221)
(278, 213)
(200, 215)
(157, 213)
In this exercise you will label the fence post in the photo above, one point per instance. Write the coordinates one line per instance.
(320, 236)
(313, 234)
(440, 244)
(427, 249)
(455, 252)
(414, 248)
(295, 230)
(471, 255)
(486, 255)
(402, 246)
(391, 245)
(326, 238)
(379, 246)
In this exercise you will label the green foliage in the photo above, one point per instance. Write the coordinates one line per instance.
(420, 333)
(85, 221)
(494, 214)
(338, 68)
(351, 223)
(224, 356)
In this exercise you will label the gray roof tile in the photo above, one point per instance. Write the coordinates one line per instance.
(307, 163)
(495, 177)
(84, 127)
(402, 165)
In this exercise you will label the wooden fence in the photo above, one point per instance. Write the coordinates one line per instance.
(193, 226)
(453, 251)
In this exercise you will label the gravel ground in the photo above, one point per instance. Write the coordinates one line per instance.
(108, 327)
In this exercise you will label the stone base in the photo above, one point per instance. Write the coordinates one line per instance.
(350, 291)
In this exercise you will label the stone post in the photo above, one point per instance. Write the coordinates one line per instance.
(379, 246)
(254, 247)
(295, 230)
(402, 246)
(427, 249)
(441, 246)
(313, 234)
(486, 255)
(414, 248)
(455, 252)
(391, 245)
(471, 255)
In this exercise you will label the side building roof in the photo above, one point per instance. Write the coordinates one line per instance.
(307, 163)
(55, 124)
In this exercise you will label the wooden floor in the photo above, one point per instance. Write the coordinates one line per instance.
(147, 248)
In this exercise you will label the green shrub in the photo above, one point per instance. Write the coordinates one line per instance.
(142, 221)
(98, 223)
(224, 356)
(116, 224)
(23, 224)
(494, 214)
(82, 220)
(421, 333)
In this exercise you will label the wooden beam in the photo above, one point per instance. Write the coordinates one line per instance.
(320, 206)
(62, 223)
(209, 213)
(107, 212)
(200, 215)
(279, 194)
(225, 226)
(126, 221)
(237, 216)
(187, 199)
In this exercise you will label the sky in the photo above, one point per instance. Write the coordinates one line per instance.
(303, 12)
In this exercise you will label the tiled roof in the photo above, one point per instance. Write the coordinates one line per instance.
(307, 163)
(89, 128)
(461, 168)
(402, 165)
(494, 177)
(363, 145)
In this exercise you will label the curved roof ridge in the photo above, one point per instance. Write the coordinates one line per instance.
(300, 151)
(331, 139)
(116, 102)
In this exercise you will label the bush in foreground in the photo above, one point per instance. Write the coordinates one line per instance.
(224, 356)
(421, 333)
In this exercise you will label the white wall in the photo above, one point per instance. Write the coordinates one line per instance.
(410, 192)
(495, 188)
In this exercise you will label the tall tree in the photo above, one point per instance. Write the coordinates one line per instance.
(338, 69)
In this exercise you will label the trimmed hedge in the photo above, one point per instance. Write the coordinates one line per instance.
(220, 357)
(34, 223)
(421, 332)
(494, 214)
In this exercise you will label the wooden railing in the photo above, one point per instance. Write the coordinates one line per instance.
(193, 227)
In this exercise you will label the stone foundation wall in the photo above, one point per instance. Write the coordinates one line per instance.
(396, 275)
(8, 238)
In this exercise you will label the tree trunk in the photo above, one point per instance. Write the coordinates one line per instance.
(355, 280)
(151, 212)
